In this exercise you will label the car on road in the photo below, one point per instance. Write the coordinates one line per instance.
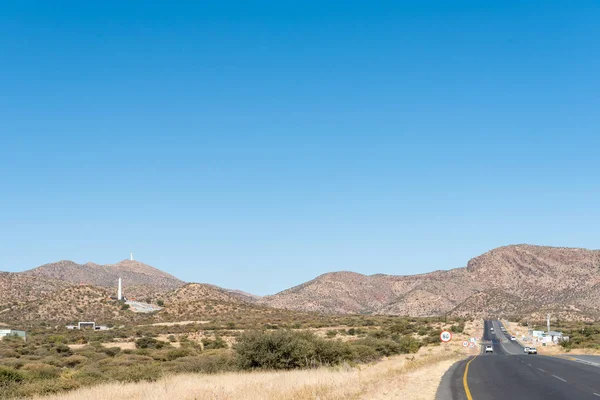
(513, 338)
(532, 350)
(489, 349)
(526, 350)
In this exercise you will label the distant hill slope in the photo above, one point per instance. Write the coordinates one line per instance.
(512, 280)
(134, 274)
(18, 288)
(72, 304)
(204, 302)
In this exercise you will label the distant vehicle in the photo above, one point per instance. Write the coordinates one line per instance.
(526, 350)
(513, 338)
(489, 349)
(532, 350)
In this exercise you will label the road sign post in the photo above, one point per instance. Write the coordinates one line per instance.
(446, 336)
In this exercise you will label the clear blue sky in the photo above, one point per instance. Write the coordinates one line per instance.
(256, 145)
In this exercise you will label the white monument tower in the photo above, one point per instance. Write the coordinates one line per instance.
(548, 321)
(131, 256)
(119, 293)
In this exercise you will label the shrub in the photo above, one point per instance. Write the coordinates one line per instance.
(136, 373)
(408, 344)
(63, 349)
(286, 349)
(41, 371)
(209, 362)
(384, 347)
(177, 353)
(149, 343)
(10, 375)
(111, 351)
(218, 343)
(73, 361)
(363, 353)
(124, 360)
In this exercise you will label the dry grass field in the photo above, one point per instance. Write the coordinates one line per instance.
(398, 377)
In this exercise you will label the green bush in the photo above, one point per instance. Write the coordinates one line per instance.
(111, 351)
(286, 349)
(149, 343)
(218, 343)
(10, 376)
(364, 354)
(41, 371)
(384, 347)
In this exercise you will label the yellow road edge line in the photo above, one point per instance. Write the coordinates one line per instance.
(465, 384)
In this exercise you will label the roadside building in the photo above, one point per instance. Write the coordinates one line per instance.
(13, 332)
(554, 336)
(88, 325)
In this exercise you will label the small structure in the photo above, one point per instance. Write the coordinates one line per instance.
(554, 336)
(13, 332)
(92, 325)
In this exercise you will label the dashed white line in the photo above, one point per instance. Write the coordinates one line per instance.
(529, 365)
(559, 378)
(596, 394)
(541, 370)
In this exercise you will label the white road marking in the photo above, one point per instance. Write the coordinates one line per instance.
(596, 394)
(529, 365)
(559, 378)
(541, 370)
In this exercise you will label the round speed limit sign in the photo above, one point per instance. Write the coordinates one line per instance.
(445, 336)
(465, 344)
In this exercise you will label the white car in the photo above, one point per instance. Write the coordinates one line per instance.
(526, 350)
(489, 349)
(513, 338)
(532, 350)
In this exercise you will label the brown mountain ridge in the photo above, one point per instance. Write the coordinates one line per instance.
(510, 280)
(518, 280)
(138, 279)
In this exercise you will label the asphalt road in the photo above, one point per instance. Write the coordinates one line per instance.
(508, 373)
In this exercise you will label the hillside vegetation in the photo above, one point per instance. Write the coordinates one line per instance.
(57, 360)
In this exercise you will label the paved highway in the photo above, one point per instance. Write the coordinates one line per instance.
(508, 373)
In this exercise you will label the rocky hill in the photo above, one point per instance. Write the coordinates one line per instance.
(138, 278)
(75, 303)
(19, 288)
(515, 280)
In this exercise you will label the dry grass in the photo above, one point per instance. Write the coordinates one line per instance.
(399, 377)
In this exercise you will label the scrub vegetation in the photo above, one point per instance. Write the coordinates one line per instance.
(56, 360)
